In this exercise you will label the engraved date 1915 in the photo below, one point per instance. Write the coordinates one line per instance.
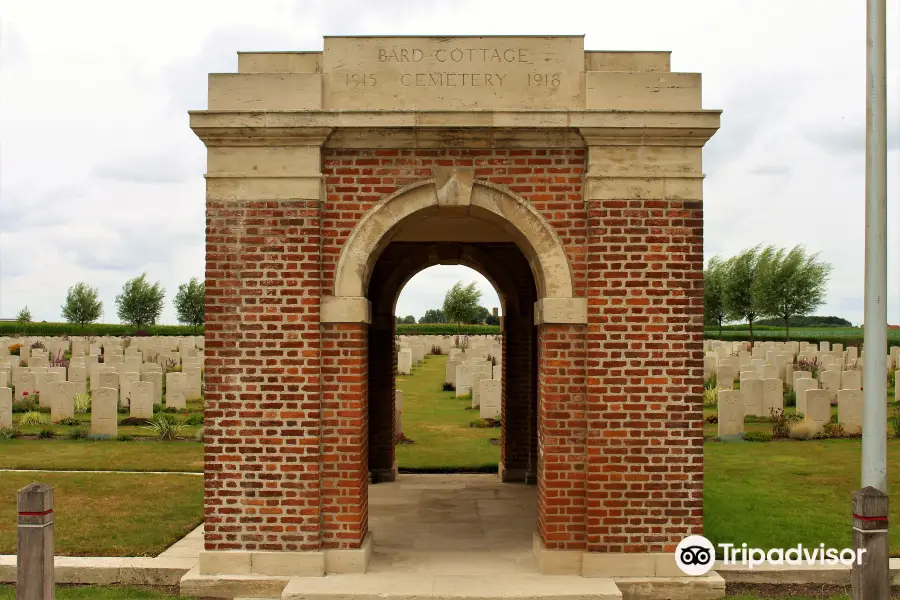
(361, 80)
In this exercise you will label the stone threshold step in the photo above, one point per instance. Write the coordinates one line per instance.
(420, 586)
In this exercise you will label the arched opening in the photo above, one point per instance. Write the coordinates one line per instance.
(452, 219)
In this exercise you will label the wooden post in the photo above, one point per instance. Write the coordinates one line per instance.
(870, 533)
(34, 572)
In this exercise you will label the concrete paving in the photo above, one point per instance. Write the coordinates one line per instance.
(452, 525)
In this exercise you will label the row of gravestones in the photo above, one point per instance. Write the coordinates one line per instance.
(133, 382)
(478, 371)
(762, 384)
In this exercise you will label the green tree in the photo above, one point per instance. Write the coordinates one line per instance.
(190, 303)
(461, 303)
(714, 292)
(140, 303)
(24, 315)
(407, 320)
(481, 316)
(790, 283)
(433, 315)
(741, 299)
(82, 305)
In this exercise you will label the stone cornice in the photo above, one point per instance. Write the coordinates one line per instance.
(441, 128)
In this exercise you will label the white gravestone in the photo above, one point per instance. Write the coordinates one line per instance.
(108, 379)
(463, 380)
(6, 419)
(404, 361)
(477, 376)
(850, 410)
(851, 380)
(772, 396)
(62, 401)
(155, 379)
(801, 388)
(489, 398)
(141, 399)
(105, 411)
(175, 392)
(752, 390)
(818, 410)
(731, 413)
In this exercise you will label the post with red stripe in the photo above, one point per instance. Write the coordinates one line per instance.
(869, 574)
(34, 571)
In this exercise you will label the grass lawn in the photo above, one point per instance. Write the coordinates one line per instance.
(106, 455)
(109, 514)
(438, 424)
(98, 593)
(779, 494)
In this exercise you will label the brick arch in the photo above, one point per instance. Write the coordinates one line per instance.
(455, 193)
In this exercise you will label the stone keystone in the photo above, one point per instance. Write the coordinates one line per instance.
(454, 189)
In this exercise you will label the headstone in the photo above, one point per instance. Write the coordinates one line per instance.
(4, 378)
(24, 384)
(175, 392)
(818, 410)
(62, 401)
(404, 361)
(497, 372)
(78, 376)
(752, 390)
(800, 375)
(709, 367)
(801, 386)
(770, 371)
(133, 364)
(824, 346)
(193, 384)
(463, 379)
(154, 378)
(108, 379)
(850, 410)
(489, 398)
(724, 377)
(789, 375)
(831, 382)
(43, 383)
(6, 419)
(105, 411)
(477, 376)
(141, 399)
(851, 380)
(772, 396)
(450, 371)
(731, 412)
(126, 380)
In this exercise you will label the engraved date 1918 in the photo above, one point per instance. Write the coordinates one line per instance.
(361, 80)
(543, 79)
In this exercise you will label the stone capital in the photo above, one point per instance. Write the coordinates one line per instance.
(560, 311)
(344, 309)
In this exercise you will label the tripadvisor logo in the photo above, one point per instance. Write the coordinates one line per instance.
(696, 555)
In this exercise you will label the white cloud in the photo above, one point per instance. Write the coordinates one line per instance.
(101, 178)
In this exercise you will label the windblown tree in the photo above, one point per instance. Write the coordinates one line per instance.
(407, 320)
(461, 303)
(714, 292)
(140, 303)
(790, 283)
(24, 316)
(190, 303)
(82, 305)
(741, 304)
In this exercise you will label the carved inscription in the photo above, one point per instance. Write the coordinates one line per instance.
(477, 72)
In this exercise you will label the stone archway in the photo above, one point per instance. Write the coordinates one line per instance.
(454, 193)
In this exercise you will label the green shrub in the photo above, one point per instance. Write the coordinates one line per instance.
(485, 423)
(790, 398)
(782, 421)
(78, 434)
(165, 426)
(9, 433)
(448, 387)
(833, 430)
(710, 397)
(125, 438)
(47, 434)
(82, 403)
(133, 422)
(895, 421)
(446, 329)
(757, 436)
(32, 418)
(195, 418)
(68, 421)
(26, 405)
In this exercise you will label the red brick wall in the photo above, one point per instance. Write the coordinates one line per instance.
(645, 374)
(262, 375)
(561, 436)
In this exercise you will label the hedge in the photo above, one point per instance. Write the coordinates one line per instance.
(848, 338)
(446, 329)
(13, 328)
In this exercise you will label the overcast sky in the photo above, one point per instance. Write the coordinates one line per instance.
(101, 178)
